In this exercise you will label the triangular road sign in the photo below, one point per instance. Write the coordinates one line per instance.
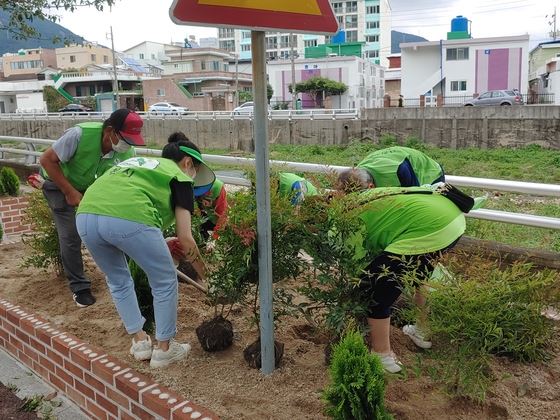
(312, 16)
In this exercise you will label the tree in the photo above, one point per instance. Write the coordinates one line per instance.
(319, 88)
(22, 12)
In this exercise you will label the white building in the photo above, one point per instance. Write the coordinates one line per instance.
(464, 67)
(147, 53)
(25, 96)
(367, 21)
(364, 79)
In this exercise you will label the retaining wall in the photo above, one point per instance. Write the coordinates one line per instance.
(102, 386)
(444, 127)
(12, 211)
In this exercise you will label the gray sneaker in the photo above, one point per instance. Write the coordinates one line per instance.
(175, 353)
(417, 336)
(141, 350)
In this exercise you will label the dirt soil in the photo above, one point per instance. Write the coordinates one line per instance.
(10, 406)
(224, 383)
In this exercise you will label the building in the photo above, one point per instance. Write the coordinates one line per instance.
(367, 21)
(540, 61)
(464, 67)
(201, 79)
(393, 78)
(25, 64)
(75, 57)
(365, 80)
(210, 42)
(23, 96)
(147, 53)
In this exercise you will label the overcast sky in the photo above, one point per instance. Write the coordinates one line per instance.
(135, 21)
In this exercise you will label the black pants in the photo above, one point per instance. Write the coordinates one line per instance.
(382, 284)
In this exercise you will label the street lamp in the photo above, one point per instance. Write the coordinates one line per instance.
(116, 99)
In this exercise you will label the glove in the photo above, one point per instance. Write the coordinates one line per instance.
(175, 248)
(36, 181)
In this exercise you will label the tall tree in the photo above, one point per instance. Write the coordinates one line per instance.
(22, 12)
(319, 88)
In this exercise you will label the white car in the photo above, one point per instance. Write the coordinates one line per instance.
(247, 108)
(167, 108)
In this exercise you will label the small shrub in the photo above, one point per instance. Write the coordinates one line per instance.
(358, 384)
(9, 182)
(388, 140)
(44, 239)
(1, 231)
(144, 295)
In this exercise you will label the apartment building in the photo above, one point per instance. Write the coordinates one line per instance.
(80, 56)
(367, 21)
(25, 64)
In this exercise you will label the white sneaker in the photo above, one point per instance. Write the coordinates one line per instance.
(175, 353)
(390, 362)
(141, 350)
(417, 336)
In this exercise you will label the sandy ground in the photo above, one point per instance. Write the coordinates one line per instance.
(224, 382)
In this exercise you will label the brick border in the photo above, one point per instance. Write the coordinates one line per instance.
(101, 385)
(12, 210)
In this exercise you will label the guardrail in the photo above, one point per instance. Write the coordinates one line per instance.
(300, 114)
(539, 189)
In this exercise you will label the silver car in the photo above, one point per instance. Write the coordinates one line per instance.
(497, 98)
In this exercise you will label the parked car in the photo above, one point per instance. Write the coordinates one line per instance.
(496, 98)
(246, 109)
(76, 108)
(170, 108)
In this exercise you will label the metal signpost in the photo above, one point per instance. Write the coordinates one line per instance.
(312, 16)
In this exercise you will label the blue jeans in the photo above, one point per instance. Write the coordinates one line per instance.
(108, 239)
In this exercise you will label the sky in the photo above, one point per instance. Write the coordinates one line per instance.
(135, 21)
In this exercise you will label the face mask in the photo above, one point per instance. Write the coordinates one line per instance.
(190, 171)
(121, 147)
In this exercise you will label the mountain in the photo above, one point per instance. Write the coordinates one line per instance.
(47, 30)
(398, 38)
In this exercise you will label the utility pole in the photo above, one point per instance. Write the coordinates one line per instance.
(236, 100)
(116, 103)
(293, 59)
(552, 23)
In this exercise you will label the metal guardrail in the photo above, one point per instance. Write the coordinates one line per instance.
(300, 114)
(539, 189)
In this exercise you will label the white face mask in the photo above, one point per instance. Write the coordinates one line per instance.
(121, 147)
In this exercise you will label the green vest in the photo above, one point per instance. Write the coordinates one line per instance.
(137, 190)
(287, 188)
(211, 196)
(383, 165)
(87, 164)
(408, 221)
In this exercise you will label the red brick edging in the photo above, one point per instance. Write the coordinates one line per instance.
(12, 210)
(101, 385)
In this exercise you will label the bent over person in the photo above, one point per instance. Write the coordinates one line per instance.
(405, 230)
(395, 166)
(124, 213)
(69, 167)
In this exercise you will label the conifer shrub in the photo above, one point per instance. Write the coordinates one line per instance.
(9, 182)
(357, 389)
(144, 295)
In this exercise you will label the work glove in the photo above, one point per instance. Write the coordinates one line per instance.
(175, 248)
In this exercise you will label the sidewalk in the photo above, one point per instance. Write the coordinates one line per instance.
(14, 374)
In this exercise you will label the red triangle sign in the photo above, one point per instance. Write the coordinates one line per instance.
(311, 16)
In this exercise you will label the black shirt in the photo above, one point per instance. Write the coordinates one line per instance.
(182, 195)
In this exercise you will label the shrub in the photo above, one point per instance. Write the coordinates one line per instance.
(9, 182)
(44, 239)
(358, 384)
(1, 231)
(144, 295)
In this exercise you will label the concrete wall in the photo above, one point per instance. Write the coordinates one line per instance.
(443, 127)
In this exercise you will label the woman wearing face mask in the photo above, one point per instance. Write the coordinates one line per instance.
(70, 166)
(124, 212)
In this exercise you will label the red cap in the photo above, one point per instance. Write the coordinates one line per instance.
(129, 125)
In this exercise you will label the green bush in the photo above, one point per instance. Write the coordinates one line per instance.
(144, 295)
(358, 384)
(1, 231)
(44, 239)
(9, 182)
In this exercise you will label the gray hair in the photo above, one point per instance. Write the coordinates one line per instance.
(355, 179)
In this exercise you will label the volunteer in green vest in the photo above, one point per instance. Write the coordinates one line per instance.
(213, 207)
(70, 166)
(124, 213)
(405, 231)
(395, 166)
(295, 187)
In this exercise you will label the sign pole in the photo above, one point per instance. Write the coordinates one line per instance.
(263, 200)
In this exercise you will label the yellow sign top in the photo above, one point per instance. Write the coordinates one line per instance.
(306, 7)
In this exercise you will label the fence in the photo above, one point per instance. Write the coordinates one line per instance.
(429, 101)
(548, 190)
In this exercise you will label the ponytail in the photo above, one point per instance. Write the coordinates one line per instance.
(172, 148)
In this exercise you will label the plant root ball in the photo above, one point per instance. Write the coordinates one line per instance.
(215, 334)
(252, 354)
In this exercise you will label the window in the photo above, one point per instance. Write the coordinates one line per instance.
(226, 67)
(141, 56)
(284, 41)
(153, 56)
(245, 47)
(372, 54)
(226, 33)
(372, 25)
(351, 6)
(310, 43)
(216, 65)
(93, 58)
(372, 10)
(203, 65)
(351, 21)
(246, 34)
(228, 45)
(105, 59)
(352, 36)
(160, 92)
(458, 86)
(271, 55)
(455, 54)
(78, 91)
(372, 38)
(337, 7)
(72, 58)
(271, 42)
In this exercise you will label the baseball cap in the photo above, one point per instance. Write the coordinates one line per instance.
(129, 125)
(205, 176)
